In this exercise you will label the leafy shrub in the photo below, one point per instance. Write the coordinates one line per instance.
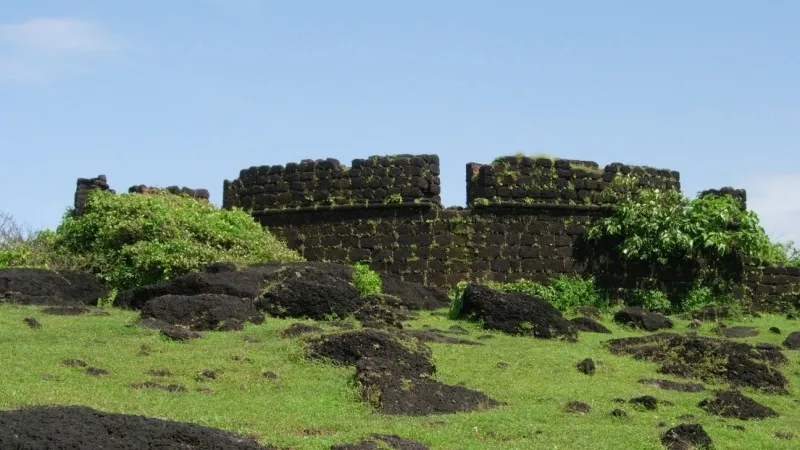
(367, 281)
(657, 225)
(566, 292)
(785, 253)
(703, 297)
(457, 300)
(650, 299)
(136, 239)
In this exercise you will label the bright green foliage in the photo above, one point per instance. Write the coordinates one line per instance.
(367, 281)
(457, 300)
(37, 250)
(786, 253)
(658, 225)
(134, 239)
(703, 297)
(567, 293)
(650, 299)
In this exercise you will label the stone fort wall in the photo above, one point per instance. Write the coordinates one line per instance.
(524, 219)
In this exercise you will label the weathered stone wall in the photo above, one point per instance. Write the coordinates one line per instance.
(84, 185)
(557, 181)
(314, 183)
(525, 219)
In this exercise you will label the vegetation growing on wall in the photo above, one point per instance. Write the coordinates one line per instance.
(135, 239)
(657, 225)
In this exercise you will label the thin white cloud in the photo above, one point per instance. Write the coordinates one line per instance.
(776, 200)
(37, 48)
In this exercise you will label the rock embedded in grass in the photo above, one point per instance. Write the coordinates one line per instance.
(588, 325)
(643, 319)
(31, 286)
(217, 312)
(396, 389)
(709, 359)
(619, 413)
(515, 313)
(686, 436)
(382, 441)
(586, 366)
(733, 404)
(350, 346)
(647, 402)
(86, 428)
(578, 407)
(792, 342)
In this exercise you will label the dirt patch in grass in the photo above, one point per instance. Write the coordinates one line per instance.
(203, 312)
(173, 332)
(733, 404)
(86, 428)
(673, 385)
(515, 313)
(435, 336)
(30, 286)
(708, 359)
(298, 329)
(737, 332)
(159, 386)
(66, 310)
(382, 441)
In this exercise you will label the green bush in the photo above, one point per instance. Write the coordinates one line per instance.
(135, 239)
(657, 225)
(366, 280)
(457, 300)
(567, 293)
(650, 299)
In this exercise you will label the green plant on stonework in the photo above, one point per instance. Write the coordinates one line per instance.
(367, 281)
(786, 253)
(657, 225)
(394, 198)
(135, 239)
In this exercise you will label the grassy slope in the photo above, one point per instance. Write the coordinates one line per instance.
(314, 405)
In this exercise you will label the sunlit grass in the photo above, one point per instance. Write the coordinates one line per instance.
(313, 405)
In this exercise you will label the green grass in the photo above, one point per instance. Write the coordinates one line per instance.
(314, 405)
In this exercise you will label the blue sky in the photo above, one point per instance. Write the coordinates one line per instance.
(190, 92)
